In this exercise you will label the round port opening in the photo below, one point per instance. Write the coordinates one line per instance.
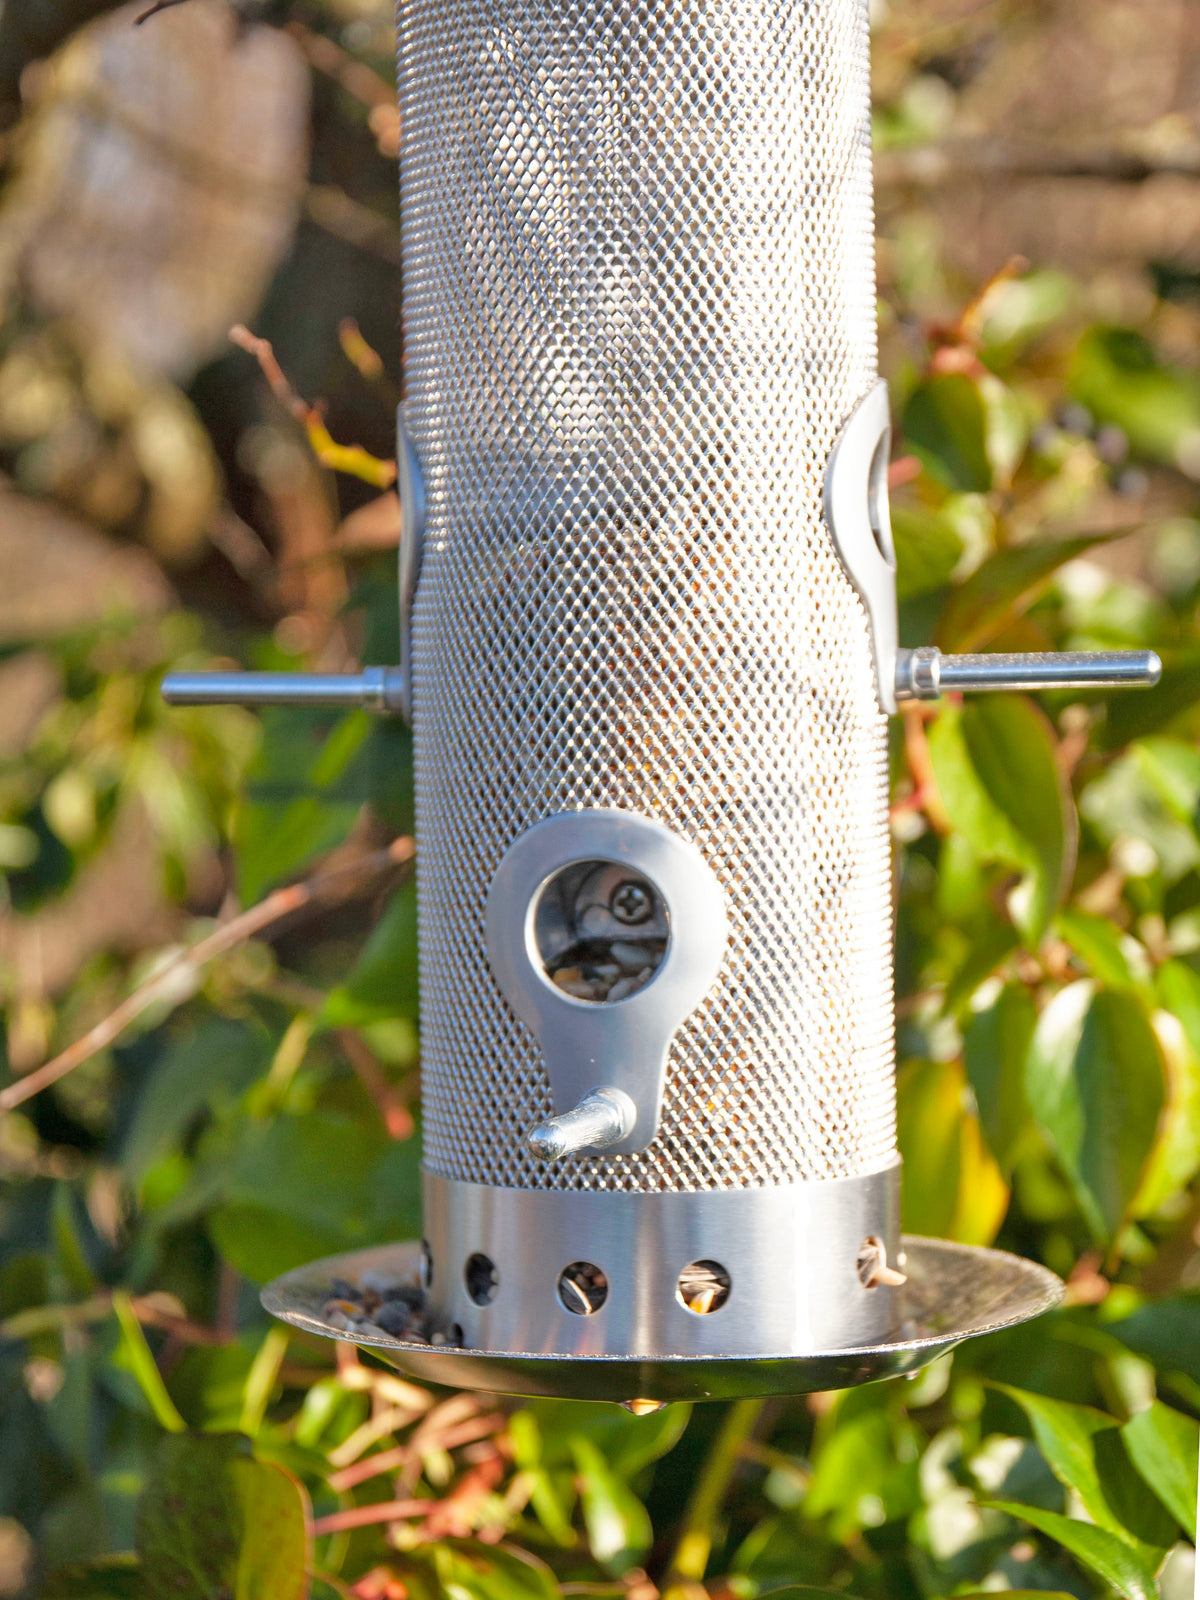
(601, 931)
(582, 1288)
(703, 1287)
(481, 1278)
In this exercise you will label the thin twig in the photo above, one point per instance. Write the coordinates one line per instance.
(364, 1516)
(348, 458)
(400, 1455)
(152, 11)
(148, 1310)
(395, 1115)
(282, 903)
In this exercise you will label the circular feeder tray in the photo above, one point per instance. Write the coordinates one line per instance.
(954, 1292)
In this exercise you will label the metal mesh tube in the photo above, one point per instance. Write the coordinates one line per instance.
(639, 304)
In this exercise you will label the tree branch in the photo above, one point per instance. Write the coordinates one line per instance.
(1132, 160)
(282, 903)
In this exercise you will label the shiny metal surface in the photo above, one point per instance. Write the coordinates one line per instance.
(601, 1119)
(856, 510)
(624, 1045)
(927, 674)
(639, 298)
(380, 689)
(954, 1292)
(791, 1253)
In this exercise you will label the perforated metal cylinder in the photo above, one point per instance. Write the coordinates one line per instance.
(639, 305)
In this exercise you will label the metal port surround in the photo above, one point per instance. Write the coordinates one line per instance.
(954, 1292)
(791, 1254)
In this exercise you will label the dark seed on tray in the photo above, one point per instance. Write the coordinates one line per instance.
(383, 1306)
(407, 1294)
(393, 1316)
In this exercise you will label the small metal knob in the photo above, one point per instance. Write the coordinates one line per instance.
(602, 1118)
(632, 903)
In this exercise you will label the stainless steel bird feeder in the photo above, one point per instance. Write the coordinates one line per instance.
(653, 647)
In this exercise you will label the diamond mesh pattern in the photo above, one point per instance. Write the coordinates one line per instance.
(639, 300)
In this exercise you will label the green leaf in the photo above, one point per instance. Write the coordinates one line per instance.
(302, 796)
(1125, 803)
(803, 1591)
(221, 1059)
(1003, 588)
(994, 761)
(1173, 769)
(1066, 1435)
(627, 1443)
(1175, 1159)
(1166, 1332)
(110, 1578)
(1018, 1594)
(70, 1261)
(618, 1524)
(214, 1524)
(464, 1570)
(864, 1460)
(140, 1361)
(1095, 1081)
(946, 424)
(383, 982)
(995, 1046)
(1123, 1566)
(1118, 376)
(1164, 1446)
(1133, 716)
(928, 548)
(952, 1187)
(300, 1187)
(1098, 943)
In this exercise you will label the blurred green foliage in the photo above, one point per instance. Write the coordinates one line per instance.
(158, 1436)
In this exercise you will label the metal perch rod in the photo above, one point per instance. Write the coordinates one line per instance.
(924, 674)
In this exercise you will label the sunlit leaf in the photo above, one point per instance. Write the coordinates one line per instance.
(1121, 1565)
(1003, 588)
(135, 1354)
(1097, 942)
(1095, 1081)
(1164, 1446)
(1175, 1159)
(999, 782)
(464, 1570)
(952, 1187)
(618, 1525)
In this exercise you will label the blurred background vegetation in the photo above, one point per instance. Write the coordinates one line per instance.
(238, 1096)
